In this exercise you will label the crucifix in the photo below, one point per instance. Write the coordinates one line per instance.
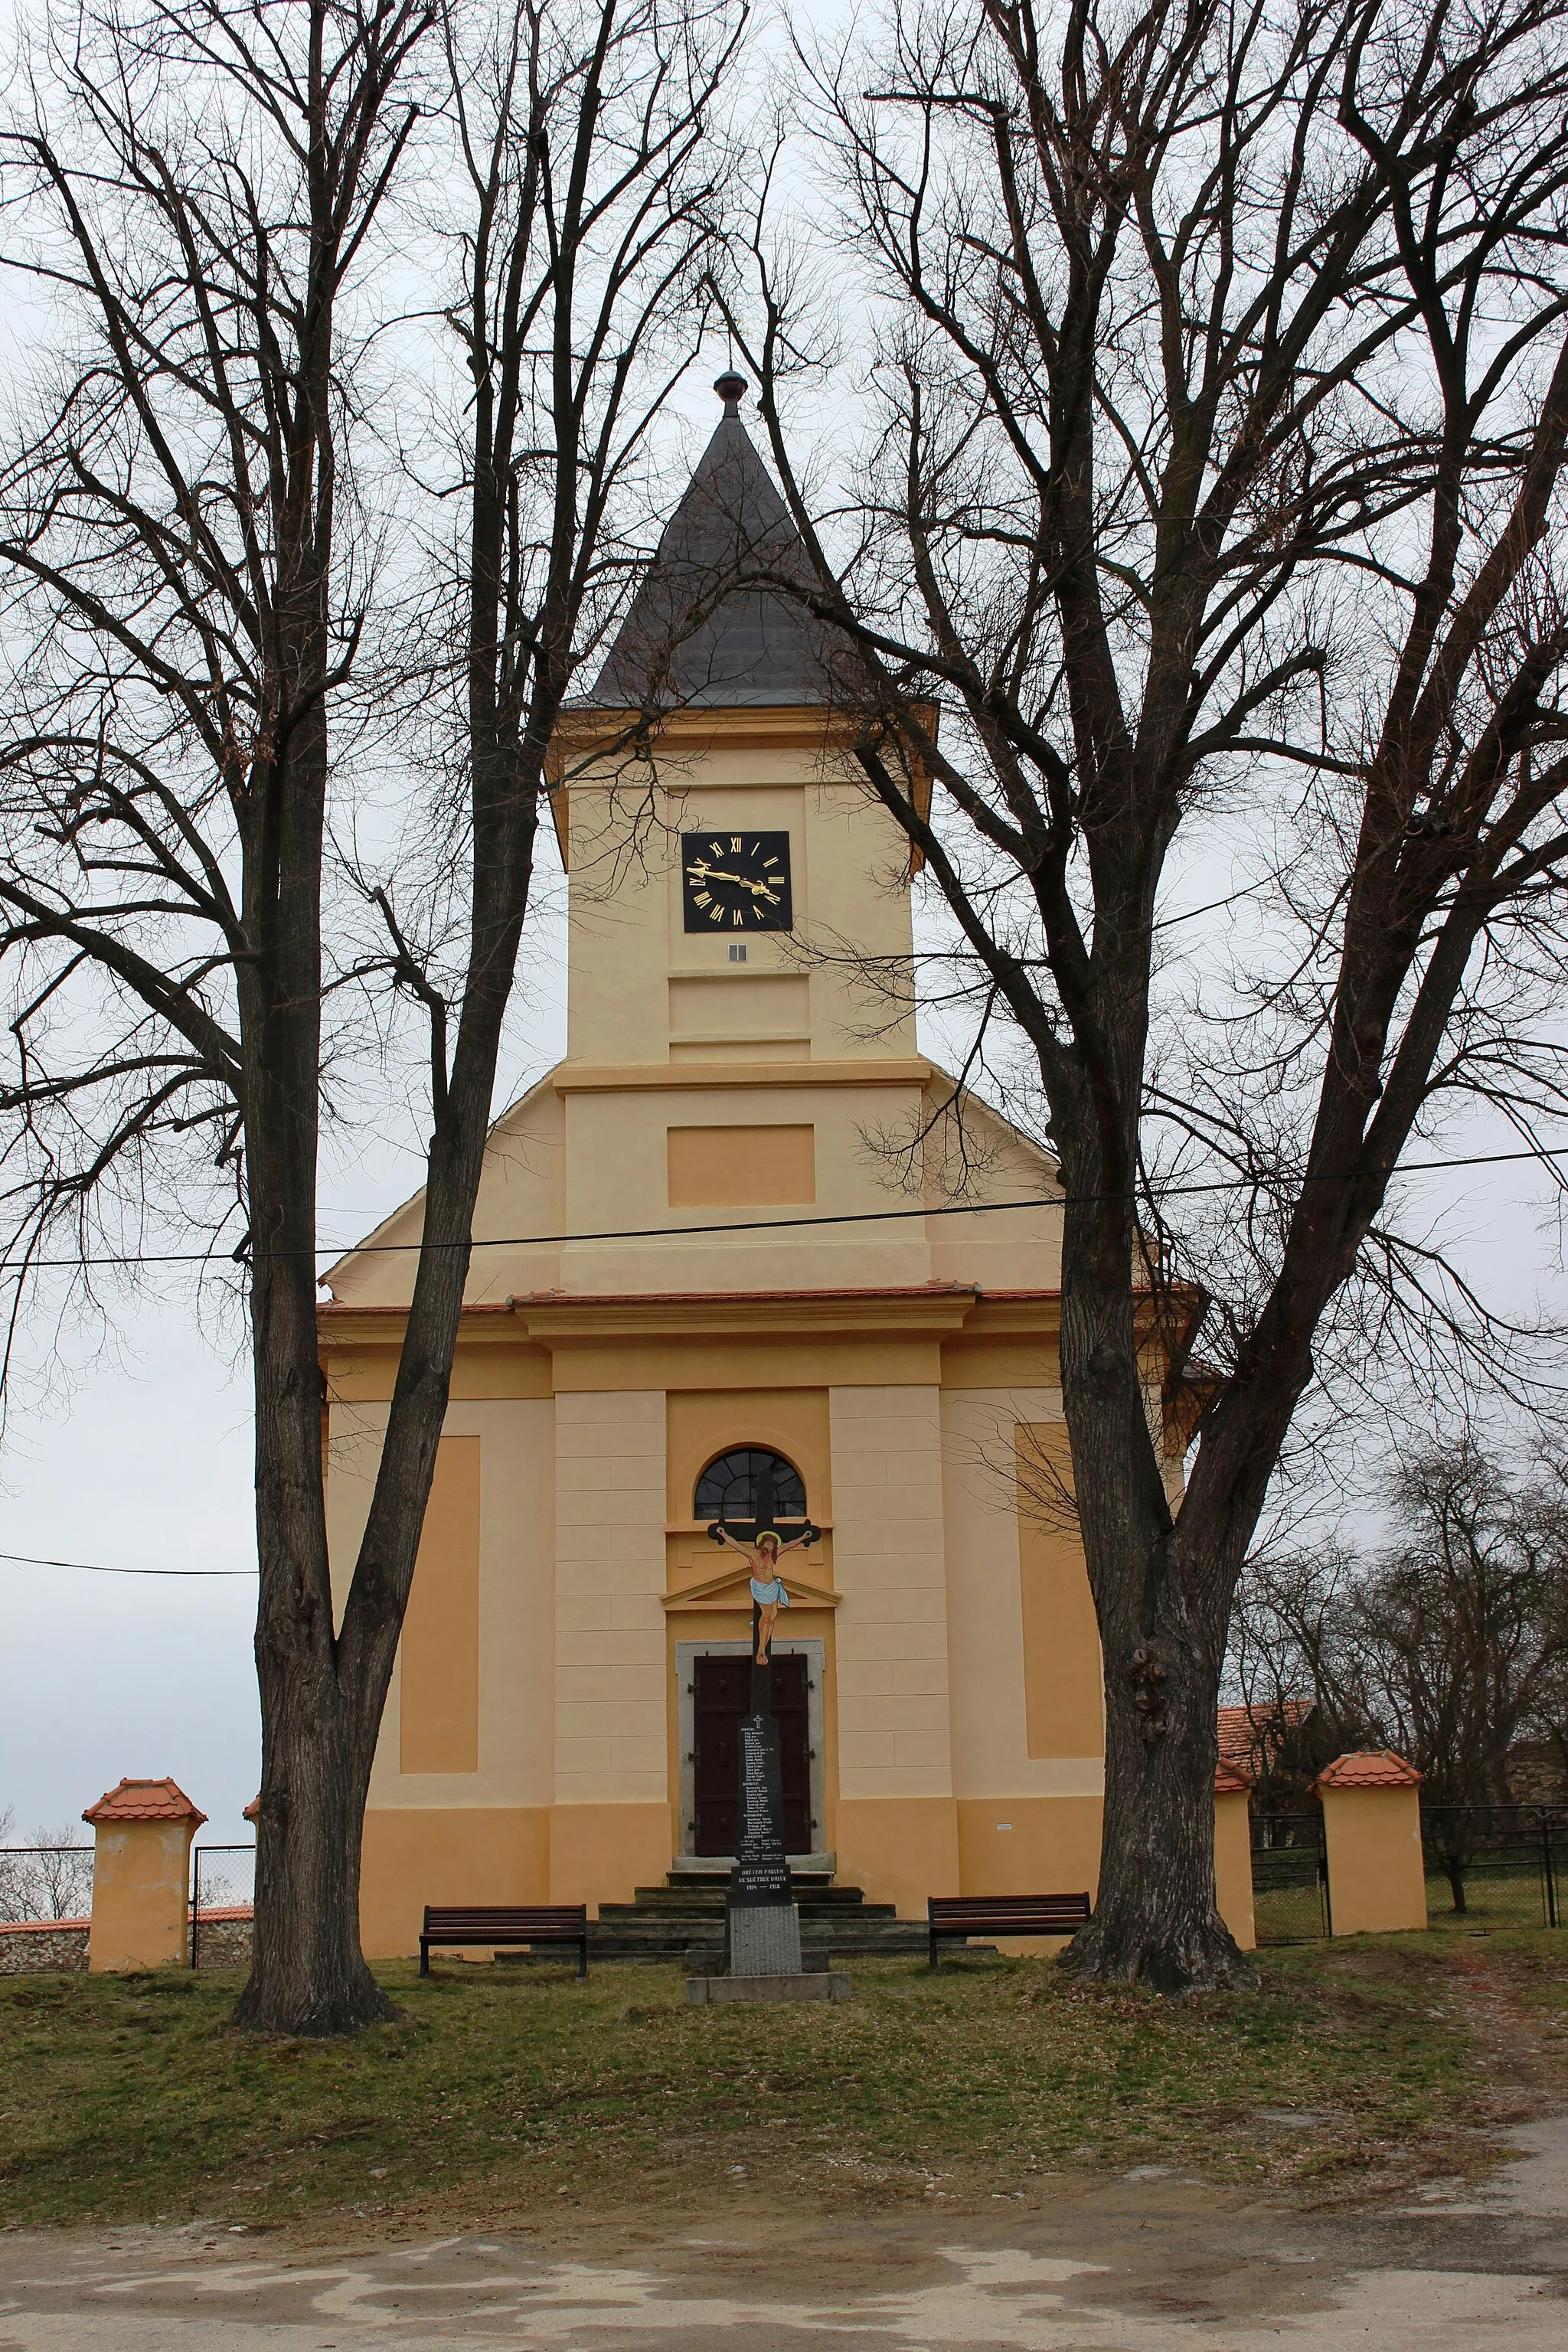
(762, 1926)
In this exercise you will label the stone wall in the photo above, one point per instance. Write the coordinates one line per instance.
(223, 1941)
(40, 1945)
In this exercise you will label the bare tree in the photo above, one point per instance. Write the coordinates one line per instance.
(51, 1879)
(199, 574)
(1450, 1644)
(1216, 418)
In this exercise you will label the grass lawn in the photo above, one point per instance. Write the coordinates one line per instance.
(130, 2098)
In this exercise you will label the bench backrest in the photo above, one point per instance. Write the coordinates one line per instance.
(506, 1919)
(1005, 1913)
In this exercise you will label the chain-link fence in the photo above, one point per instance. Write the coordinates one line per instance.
(223, 1893)
(44, 1882)
(1289, 1879)
(1495, 1865)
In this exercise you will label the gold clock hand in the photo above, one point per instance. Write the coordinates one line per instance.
(718, 874)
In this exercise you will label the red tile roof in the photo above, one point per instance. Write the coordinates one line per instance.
(1246, 1732)
(1229, 1782)
(253, 1810)
(144, 1801)
(1372, 1768)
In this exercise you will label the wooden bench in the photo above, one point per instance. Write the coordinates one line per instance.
(959, 1917)
(477, 1923)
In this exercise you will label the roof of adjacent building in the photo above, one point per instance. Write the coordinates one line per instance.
(1369, 1768)
(1246, 1733)
(144, 1801)
(690, 639)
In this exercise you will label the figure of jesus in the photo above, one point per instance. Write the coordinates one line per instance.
(767, 1585)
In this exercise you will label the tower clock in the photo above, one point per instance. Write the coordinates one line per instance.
(736, 881)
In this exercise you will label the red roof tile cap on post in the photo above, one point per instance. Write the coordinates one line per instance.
(144, 1801)
(1377, 1767)
(1230, 1782)
(253, 1810)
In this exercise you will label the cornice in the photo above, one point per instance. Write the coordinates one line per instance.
(694, 730)
(538, 1319)
(669, 1077)
(907, 1313)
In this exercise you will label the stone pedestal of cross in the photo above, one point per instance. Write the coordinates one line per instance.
(761, 1921)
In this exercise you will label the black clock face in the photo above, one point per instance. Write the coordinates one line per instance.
(736, 881)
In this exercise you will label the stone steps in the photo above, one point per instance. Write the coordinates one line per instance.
(684, 1921)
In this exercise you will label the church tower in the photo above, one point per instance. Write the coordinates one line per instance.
(719, 1274)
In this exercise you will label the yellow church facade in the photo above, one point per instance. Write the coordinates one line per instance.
(716, 1245)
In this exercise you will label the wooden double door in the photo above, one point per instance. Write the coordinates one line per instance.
(720, 1697)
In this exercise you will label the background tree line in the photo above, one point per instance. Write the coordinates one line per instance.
(1447, 1644)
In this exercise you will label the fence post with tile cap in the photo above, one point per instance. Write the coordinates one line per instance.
(1372, 1827)
(141, 1878)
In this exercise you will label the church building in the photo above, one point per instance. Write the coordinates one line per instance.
(717, 1275)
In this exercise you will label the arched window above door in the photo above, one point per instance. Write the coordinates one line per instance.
(752, 1487)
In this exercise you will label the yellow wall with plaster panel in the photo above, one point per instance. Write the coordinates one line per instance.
(610, 1560)
(889, 1563)
(741, 1167)
(446, 1853)
(438, 1710)
(700, 1424)
(742, 1006)
(1063, 1686)
(899, 1849)
(986, 1541)
(515, 1439)
(602, 1854)
(1029, 1846)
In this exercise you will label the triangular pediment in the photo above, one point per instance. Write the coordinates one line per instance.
(730, 1588)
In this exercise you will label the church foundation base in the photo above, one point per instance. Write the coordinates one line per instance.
(826, 1984)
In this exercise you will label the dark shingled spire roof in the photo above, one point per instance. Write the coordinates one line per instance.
(686, 640)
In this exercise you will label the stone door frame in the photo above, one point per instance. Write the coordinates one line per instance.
(813, 1650)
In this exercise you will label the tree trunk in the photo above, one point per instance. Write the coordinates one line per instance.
(1162, 1615)
(308, 1973)
(1157, 1921)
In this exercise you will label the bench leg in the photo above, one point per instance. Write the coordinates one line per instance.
(581, 1959)
(933, 1951)
(424, 1957)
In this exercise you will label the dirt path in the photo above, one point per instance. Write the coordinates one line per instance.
(1159, 2264)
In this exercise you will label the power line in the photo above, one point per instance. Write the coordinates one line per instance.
(757, 1224)
(97, 1566)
